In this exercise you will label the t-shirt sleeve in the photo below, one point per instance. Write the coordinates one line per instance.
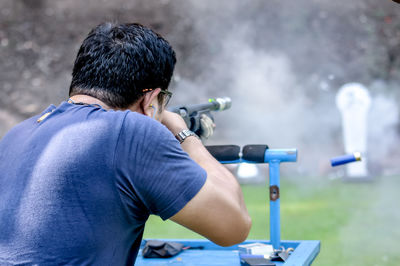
(153, 170)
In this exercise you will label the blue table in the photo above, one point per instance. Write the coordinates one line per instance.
(304, 253)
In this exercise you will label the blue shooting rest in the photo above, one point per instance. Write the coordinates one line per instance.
(305, 251)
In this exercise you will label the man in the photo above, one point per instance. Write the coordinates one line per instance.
(78, 181)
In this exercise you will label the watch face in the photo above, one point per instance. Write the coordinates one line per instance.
(181, 136)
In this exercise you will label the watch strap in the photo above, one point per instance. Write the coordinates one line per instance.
(181, 136)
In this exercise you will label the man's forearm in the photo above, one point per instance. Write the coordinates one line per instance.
(220, 176)
(218, 211)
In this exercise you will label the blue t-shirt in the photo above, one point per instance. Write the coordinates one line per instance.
(78, 187)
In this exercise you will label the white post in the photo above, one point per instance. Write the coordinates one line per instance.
(353, 101)
(247, 171)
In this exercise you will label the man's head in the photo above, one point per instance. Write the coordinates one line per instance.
(119, 63)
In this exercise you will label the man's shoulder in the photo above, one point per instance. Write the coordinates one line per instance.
(140, 122)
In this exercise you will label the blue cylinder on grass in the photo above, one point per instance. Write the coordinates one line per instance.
(348, 158)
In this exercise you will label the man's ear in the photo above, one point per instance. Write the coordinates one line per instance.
(148, 100)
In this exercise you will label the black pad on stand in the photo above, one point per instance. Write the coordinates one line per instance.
(254, 153)
(224, 152)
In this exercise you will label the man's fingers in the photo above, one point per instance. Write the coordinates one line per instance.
(207, 126)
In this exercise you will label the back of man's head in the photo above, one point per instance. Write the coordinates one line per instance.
(116, 62)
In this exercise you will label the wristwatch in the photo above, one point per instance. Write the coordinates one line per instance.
(181, 136)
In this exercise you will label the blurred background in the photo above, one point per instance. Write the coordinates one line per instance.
(281, 63)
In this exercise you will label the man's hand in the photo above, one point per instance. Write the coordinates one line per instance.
(173, 122)
(207, 126)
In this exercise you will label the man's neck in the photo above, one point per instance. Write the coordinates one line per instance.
(81, 98)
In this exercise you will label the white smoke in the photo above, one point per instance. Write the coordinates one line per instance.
(273, 101)
(383, 137)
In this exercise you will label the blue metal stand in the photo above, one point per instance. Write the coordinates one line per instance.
(275, 158)
(274, 205)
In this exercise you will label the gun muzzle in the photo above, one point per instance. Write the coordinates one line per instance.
(222, 103)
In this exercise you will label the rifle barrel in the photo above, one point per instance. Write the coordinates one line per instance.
(217, 104)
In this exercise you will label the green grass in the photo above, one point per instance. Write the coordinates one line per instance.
(358, 224)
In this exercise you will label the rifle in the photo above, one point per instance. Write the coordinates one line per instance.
(198, 117)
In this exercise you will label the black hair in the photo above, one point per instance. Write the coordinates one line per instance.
(116, 62)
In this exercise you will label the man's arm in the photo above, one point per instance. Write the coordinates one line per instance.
(218, 211)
